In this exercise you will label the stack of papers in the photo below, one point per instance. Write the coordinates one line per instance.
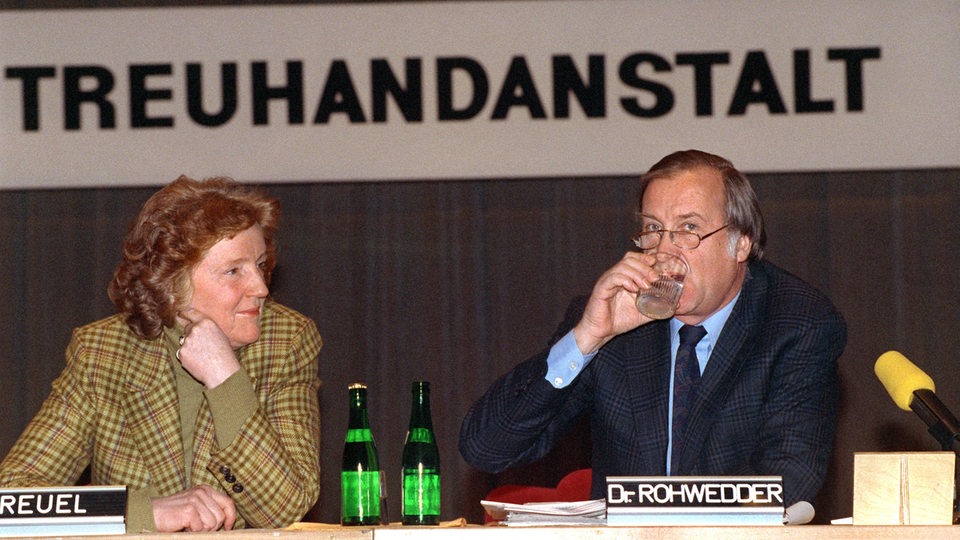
(549, 513)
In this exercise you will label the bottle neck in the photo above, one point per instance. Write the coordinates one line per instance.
(420, 411)
(358, 410)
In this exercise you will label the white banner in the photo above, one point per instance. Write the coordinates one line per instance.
(448, 90)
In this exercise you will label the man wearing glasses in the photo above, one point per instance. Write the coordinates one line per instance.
(756, 386)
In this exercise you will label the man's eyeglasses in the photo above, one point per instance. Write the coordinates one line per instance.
(681, 239)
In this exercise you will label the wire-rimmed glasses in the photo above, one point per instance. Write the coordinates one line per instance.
(682, 239)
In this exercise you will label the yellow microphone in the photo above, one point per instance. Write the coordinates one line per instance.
(901, 378)
(913, 390)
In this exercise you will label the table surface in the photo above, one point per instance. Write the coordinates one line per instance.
(310, 531)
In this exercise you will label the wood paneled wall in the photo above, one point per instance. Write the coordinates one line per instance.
(455, 282)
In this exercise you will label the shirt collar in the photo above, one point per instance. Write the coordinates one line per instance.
(713, 324)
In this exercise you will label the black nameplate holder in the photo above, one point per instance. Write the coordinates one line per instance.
(63, 511)
(695, 500)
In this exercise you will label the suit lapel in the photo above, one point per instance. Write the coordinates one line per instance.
(723, 368)
(204, 440)
(647, 385)
(150, 404)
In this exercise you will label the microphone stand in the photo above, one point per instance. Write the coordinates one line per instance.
(943, 425)
(945, 428)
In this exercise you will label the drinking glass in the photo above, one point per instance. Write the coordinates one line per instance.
(660, 300)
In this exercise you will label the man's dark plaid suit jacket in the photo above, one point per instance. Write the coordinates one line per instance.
(767, 403)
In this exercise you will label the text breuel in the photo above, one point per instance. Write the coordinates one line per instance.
(40, 504)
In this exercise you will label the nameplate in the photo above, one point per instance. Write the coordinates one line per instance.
(56, 511)
(695, 500)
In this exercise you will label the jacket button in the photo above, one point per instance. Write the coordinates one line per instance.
(237, 488)
(230, 478)
(224, 470)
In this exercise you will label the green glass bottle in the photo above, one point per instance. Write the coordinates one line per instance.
(421, 463)
(360, 474)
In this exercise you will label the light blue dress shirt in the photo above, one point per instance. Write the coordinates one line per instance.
(565, 360)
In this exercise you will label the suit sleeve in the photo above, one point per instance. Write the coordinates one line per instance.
(521, 416)
(270, 466)
(56, 445)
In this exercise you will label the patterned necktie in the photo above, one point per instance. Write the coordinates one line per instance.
(686, 379)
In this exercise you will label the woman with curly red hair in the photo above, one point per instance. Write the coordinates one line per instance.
(200, 394)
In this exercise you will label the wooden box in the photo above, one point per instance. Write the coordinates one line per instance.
(903, 488)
